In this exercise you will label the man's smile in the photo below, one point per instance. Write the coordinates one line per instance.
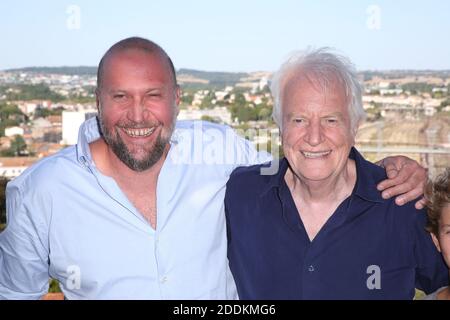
(315, 155)
(139, 132)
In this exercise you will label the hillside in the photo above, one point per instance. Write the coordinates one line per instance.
(187, 77)
(76, 70)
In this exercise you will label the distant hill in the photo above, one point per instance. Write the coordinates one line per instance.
(395, 74)
(225, 77)
(77, 70)
(212, 78)
(197, 79)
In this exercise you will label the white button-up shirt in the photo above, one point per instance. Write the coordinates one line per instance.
(68, 221)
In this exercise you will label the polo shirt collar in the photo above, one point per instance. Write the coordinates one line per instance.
(365, 187)
(366, 183)
(276, 180)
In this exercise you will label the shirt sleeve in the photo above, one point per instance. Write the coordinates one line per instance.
(24, 265)
(431, 271)
(247, 154)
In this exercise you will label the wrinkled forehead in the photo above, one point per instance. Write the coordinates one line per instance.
(323, 81)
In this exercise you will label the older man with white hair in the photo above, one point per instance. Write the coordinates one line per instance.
(319, 228)
(136, 209)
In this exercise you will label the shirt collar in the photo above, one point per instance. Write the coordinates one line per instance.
(366, 183)
(89, 131)
(366, 178)
(276, 180)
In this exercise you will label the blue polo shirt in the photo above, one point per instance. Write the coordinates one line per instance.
(370, 248)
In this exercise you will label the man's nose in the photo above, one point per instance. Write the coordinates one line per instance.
(138, 112)
(314, 134)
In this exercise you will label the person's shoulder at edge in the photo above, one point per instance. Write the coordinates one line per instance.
(190, 124)
(246, 180)
(242, 150)
(210, 129)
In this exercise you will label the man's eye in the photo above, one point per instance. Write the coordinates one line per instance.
(332, 121)
(299, 120)
(119, 96)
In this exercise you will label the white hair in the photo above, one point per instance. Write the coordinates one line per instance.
(324, 67)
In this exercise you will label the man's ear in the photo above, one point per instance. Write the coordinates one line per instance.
(436, 242)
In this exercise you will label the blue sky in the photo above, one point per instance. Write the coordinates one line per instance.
(232, 35)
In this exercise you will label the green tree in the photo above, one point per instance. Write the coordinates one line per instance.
(7, 123)
(187, 99)
(10, 115)
(445, 103)
(45, 112)
(9, 110)
(208, 118)
(239, 109)
(18, 147)
(247, 114)
(437, 95)
(417, 87)
(239, 100)
(264, 113)
(3, 182)
(207, 100)
(30, 92)
(77, 98)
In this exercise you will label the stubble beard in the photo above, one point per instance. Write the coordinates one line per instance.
(120, 149)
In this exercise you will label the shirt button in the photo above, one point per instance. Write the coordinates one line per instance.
(164, 279)
(311, 268)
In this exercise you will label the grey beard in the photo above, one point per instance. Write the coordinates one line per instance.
(121, 150)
